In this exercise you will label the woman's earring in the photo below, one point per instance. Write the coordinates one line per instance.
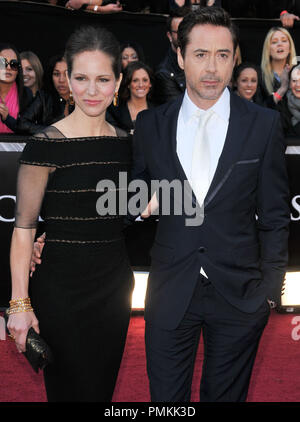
(71, 99)
(116, 100)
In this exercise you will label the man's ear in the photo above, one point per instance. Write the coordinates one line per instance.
(169, 37)
(180, 59)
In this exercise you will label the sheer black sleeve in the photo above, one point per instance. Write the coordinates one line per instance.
(32, 181)
(31, 186)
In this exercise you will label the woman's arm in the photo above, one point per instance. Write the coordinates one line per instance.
(20, 257)
(31, 185)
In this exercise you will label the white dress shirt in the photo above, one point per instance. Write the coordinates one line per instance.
(216, 129)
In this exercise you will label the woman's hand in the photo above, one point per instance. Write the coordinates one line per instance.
(287, 20)
(37, 252)
(3, 111)
(18, 325)
(284, 83)
(284, 78)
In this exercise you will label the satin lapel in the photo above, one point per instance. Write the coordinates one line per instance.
(168, 128)
(240, 122)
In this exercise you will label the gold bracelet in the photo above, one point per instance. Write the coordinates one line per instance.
(19, 305)
(20, 299)
(18, 310)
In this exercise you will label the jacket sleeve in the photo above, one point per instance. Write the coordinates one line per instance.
(139, 171)
(11, 123)
(30, 121)
(273, 212)
(166, 87)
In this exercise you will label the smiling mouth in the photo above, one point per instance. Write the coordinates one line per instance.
(92, 102)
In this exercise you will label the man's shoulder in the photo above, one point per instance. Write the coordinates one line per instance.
(252, 107)
(160, 110)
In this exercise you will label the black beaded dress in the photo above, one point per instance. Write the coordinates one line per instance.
(81, 293)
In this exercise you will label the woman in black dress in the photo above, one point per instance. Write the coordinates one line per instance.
(79, 298)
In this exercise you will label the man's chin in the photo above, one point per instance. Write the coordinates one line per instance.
(211, 94)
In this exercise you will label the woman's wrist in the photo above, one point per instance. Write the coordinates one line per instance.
(277, 96)
(18, 305)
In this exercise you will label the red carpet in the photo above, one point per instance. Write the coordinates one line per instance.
(276, 375)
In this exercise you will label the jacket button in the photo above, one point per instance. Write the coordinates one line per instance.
(202, 249)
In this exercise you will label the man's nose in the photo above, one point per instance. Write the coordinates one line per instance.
(211, 64)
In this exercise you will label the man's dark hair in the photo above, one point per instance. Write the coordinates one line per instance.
(205, 16)
(180, 12)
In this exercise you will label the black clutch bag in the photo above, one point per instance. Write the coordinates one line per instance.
(38, 353)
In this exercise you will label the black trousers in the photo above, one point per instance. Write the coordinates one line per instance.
(231, 340)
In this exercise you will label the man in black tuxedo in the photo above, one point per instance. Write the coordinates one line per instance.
(220, 276)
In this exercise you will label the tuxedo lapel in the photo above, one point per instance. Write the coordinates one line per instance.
(169, 132)
(240, 122)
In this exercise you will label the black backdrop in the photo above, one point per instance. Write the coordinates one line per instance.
(44, 29)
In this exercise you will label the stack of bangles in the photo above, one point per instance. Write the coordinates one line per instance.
(19, 305)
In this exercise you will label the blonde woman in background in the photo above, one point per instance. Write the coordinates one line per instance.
(32, 71)
(278, 57)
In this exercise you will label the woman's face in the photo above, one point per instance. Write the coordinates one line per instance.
(128, 55)
(247, 83)
(140, 84)
(29, 75)
(8, 75)
(295, 82)
(93, 82)
(60, 81)
(279, 46)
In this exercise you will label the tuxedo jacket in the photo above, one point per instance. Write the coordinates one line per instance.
(242, 242)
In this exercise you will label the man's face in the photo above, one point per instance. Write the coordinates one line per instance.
(208, 63)
(172, 35)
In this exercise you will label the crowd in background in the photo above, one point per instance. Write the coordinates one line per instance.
(32, 98)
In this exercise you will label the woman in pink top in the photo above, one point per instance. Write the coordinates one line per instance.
(13, 97)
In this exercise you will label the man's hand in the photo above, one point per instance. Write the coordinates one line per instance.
(288, 19)
(37, 252)
(151, 207)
